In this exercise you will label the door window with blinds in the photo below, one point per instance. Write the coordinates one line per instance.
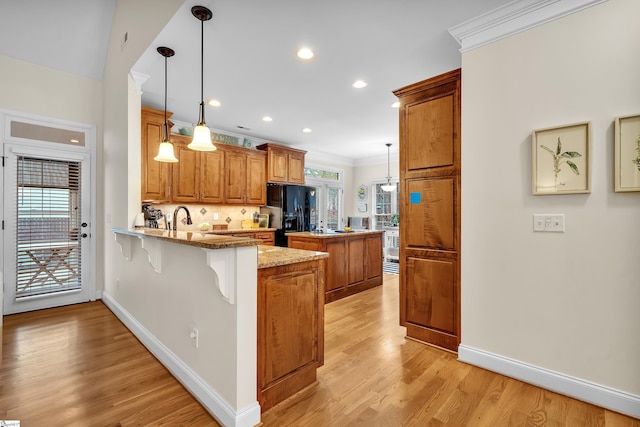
(48, 226)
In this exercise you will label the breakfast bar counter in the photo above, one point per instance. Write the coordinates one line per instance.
(210, 306)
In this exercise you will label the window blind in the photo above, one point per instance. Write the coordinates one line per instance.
(48, 212)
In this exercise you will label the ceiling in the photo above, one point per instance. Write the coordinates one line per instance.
(251, 65)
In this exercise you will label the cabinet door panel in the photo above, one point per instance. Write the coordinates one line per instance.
(356, 261)
(212, 177)
(186, 174)
(256, 180)
(236, 177)
(373, 257)
(337, 265)
(290, 319)
(430, 213)
(155, 175)
(430, 133)
(433, 302)
(278, 166)
(296, 168)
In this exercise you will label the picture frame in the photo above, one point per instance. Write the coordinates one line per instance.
(362, 207)
(561, 160)
(627, 154)
(362, 192)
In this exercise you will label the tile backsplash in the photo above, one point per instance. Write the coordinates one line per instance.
(227, 214)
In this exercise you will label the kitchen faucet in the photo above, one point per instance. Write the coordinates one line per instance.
(175, 217)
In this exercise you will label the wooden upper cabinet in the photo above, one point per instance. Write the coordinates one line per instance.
(245, 178)
(284, 164)
(296, 167)
(212, 169)
(228, 175)
(236, 177)
(155, 175)
(256, 179)
(186, 173)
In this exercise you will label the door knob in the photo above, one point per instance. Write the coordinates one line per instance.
(84, 235)
(84, 224)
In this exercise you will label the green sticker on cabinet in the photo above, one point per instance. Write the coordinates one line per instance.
(414, 198)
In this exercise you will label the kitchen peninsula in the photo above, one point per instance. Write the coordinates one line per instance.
(216, 310)
(355, 262)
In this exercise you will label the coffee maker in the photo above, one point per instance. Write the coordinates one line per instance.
(152, 216)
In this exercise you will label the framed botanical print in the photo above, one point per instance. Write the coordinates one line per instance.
(627, 153)
(561, 159)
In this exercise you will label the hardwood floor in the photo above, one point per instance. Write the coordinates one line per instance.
(79, 366)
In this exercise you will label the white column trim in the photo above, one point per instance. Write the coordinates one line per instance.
(512, 18)
(577, 388)
(139, 79)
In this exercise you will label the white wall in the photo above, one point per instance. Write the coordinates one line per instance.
(570, 302)
(119, 183)
(34, 89)
(366, 175)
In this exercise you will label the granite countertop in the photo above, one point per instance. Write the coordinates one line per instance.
(205, 240)
(273, 256)
(333, 234)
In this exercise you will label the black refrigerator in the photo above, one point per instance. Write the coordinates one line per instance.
(291, 208)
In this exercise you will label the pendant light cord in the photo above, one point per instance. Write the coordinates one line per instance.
(166, 126)
(201, 120)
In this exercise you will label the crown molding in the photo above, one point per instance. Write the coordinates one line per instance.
(512, 18)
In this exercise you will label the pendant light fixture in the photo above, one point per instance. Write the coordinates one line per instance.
(165, 152)
(201, 133)
(388, 186)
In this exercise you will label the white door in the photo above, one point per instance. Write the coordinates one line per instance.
(47, 211)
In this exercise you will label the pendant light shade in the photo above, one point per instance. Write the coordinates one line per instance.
(388, 186)
(165, 152)
(201, 133)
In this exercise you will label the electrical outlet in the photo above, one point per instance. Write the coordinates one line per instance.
(550, 223)
(215, 216)
(194, 335)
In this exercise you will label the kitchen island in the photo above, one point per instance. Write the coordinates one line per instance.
(193, 299)
(355, 262)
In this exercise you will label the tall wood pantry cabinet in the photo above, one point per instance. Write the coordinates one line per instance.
(430, 209)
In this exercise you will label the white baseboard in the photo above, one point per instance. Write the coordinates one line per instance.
(215, 404)
(596, 394)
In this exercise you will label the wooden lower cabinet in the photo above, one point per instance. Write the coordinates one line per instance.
(290, 329)
(432, 311)
(355, 260)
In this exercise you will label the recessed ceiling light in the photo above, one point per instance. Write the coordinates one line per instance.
(395, 104)
(306, 130)
(267, 119)
(305, 53)
(214, 103)
(74, 141)
(359, 84)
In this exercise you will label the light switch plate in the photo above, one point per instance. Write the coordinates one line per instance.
(550, 223)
